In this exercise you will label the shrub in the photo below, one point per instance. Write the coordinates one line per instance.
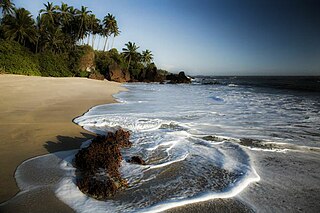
(83, 74)
(55, 65)
(16, 59)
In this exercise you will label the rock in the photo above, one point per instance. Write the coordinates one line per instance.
(96, 75)
(116, 74)
(86, 61)
(180, 78)
(137, 160)
(98, 165)
(151, 74)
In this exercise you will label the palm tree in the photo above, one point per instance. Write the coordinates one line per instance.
(7, 7)
(55, 40)
(147, 57)
(115, 32)
(130, 52)
(64, 13)
(96, 29)
(20, 26)
(49, 13)
(92, 24)
(72, 27)
(109, 22)
(83, 17)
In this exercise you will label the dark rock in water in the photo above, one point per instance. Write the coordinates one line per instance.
(116, 74)
(180, 78)
(98, 187)
(98, 165)
(137, 160)
(151, 74)
(213, 138)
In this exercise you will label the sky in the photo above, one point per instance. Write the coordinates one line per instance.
(216, 37)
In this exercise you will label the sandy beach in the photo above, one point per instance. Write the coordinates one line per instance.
(36, 118)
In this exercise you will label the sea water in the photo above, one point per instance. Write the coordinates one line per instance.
(196, 140)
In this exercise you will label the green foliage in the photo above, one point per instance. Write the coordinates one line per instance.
(16, 59)
(163, 72)
(52, 40)
(104, 59)
(135, 69)
(54, 65)
(19, 27)
(82, 74)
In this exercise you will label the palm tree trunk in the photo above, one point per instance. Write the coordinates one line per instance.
(88, 39)
(99, 42)
(93, 38)
(112, 42)
(80, 29)
(37, 43)
(105, 44)
(129, 63)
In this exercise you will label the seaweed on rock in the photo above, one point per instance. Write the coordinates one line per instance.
(98, 165)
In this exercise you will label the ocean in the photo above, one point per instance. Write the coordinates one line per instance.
(196, 139)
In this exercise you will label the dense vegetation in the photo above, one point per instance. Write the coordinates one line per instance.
(61, 42)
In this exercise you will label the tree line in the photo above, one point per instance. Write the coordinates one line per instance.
(56, 28)
(61, 29)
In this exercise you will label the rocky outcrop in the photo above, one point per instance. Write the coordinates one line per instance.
(180, 78)
(98, 165)
(96, 75)
(137, 160)
(151, 74)
(117, 74)
(86, 61)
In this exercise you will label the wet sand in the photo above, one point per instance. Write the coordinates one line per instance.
(36, 116)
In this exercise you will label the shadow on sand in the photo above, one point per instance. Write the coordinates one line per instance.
(64, 143)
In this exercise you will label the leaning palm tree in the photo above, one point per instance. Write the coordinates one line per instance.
(7, 7)
(115, 33)
(109, 23)
(92, 23)
(147, 57)
(20, 26)
(130, 52)
(95, 30)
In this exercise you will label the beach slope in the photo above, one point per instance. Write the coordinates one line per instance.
(36, 118)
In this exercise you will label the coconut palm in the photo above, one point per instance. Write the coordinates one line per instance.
(130, 52)
(83, 18)
(95, 30)
(109, 23)
(49, 13)
(92, 25)
(55, 40)
(115, 33)
(20, 26)
(146, 57)
(64, 14)
(7, 7)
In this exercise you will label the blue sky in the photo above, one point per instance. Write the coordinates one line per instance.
(229, 37)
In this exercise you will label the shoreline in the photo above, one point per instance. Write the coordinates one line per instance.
(37, 116)
(275, 190)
